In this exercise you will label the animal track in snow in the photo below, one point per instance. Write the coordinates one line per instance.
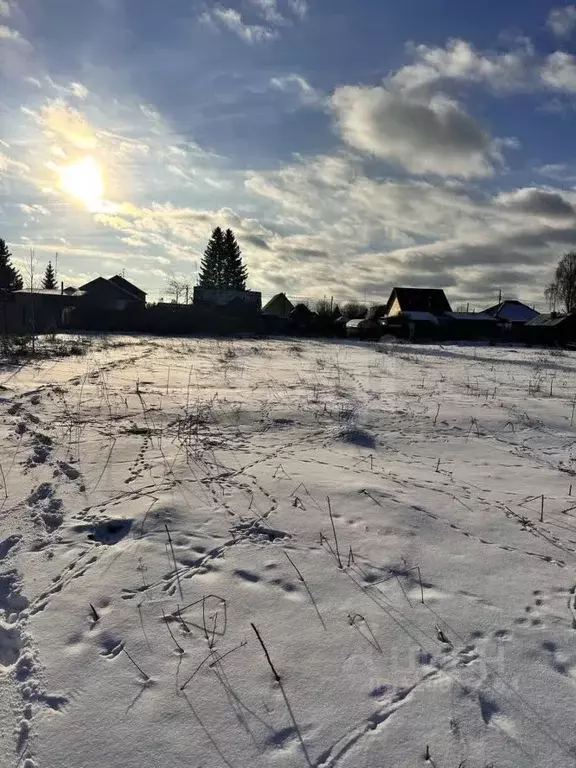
(42, 448)
(11, 599)
(111, 646)
(45, 508)
(71, 472)
(7, 545)
(10, 644)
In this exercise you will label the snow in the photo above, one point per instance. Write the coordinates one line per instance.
(163, 495)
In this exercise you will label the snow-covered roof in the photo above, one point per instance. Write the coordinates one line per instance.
(49, 292)
(512, 310)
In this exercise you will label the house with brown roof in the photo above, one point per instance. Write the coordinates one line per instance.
(126, 285)
(116, 294)
(279, 306)
(430, 301)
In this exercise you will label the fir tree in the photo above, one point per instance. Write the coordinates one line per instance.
(211, 268)
(10, 278)
(49, 281)
(234, 274)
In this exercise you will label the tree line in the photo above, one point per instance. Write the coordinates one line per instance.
(221, 268)
(11, 279)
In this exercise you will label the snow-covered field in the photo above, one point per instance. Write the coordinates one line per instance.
(160, 496)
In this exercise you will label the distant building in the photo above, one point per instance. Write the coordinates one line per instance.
(40, 311)
(302, 317)
(129, 287)
(512, 311)
(250, 300)
(279, 306)
(552, 329)
(114, 295)
(469, 326)
(411, 325)
(432, 301)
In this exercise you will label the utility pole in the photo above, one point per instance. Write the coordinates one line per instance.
(56, 266)
(500, 296)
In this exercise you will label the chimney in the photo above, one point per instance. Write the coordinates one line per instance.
(62, 288)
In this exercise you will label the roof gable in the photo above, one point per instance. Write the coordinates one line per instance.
(420, 300)
(280, 301)
(126, 285)
(512, 310)
(111, 288)
(551, 320)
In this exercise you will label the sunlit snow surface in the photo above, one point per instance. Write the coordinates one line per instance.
(160, 496)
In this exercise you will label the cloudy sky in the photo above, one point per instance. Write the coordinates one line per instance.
(352, 146)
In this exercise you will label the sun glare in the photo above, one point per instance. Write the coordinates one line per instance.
(82, 180)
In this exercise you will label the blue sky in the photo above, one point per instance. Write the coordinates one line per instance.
(351, 146)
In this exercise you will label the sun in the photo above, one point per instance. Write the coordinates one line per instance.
(82, 180)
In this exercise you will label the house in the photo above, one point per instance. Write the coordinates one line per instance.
(411, 325)
(223, 297)
(279, 306)
(39, 311)
(512, 311)
(129, 287)
(115, 295)
(470, 326)
(554, 329)
(303, 318)
(432, 301)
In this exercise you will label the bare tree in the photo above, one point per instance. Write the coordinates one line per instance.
(323, 308)
(354, 310)
(562, 290)
(178, 288)
(32, 277)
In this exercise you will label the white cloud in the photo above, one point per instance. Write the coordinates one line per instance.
(299, 8)
(411, 121)
(79, 90)
(34, 211)
(7, 33)
(387, 232)
(423, 135)
(544, 203)
(562, 21)
(521, 69)
(559, 72)
(233, 21)
(460, 61)
(5, 8)
(559, 172)
(298, 87)
(269, 11)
